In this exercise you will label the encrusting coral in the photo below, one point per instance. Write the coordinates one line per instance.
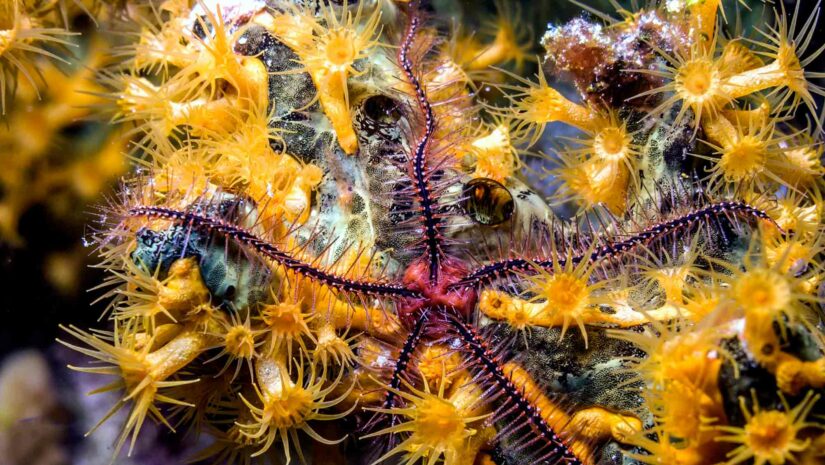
(339, 246)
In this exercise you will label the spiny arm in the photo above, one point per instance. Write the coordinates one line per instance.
(504, 268)
(419, 162)
(271, 251)
(546, 445)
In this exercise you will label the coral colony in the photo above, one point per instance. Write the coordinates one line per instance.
(348, 238)
(44, 158)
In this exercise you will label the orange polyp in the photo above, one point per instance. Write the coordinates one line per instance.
(703, 19)
(737, 58)
(184, 288)
(599, 424)
(176, 354)
(287, 406)
(770, 436)
(792, 374)
(438, 364)
(330, 347)
(749, 82)
(143, 374)
(286, 323)
(544, 104)
(503, 48)
(329, 52)
(331, 94)
(495, 156)
(438, 424)
(595, 182)
(664, 450)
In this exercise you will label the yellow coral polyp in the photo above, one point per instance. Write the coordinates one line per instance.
(343, 40)
(216, 60)
(770, 436)
(762, 290)
(152, 300)
(765, 294)
(438, 425)
(785, 253)
(786, 48)
(673, 281)
(160, 47)
(679, 375)
(665, 450)
(696, 80)
(698, 83)
(184, 287)
(330, 347)
(785, 71)
(743, 160)
(683, 410)
(287, 407)
(22, 40)
(495, 156)
(293, 27)
(277, 181)
(567, 294)
(240, 342)
(595, 183)
(510, 42)
(330, 56)
(209, 93)
(439, 364)
(691, 356)
(536, 104)
(598, 424)
(801, 166)
(286, 323)
(673, 275)
(613, 144)
(144, 373)
(702, 300)
(795, 213)
(750, 154)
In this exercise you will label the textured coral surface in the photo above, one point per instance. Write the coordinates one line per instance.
(387, 231)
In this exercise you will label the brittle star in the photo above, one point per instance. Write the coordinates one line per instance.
(437, 293)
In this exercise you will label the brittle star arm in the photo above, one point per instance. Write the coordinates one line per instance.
(514, 266)
(419, 162)
(550, 445)
(401, 363)
(272, 252)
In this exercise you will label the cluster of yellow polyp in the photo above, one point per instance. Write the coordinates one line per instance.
(734, 98)
(279, 371)
(46, 94)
